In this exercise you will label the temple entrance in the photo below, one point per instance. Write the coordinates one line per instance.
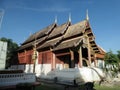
(85, 62)
(71, 59)
(65, 59)
(84, 57)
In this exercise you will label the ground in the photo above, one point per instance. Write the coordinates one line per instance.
(103, 86)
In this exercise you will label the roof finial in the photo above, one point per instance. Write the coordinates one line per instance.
(69, 17)
(55, 19)
(87, 17)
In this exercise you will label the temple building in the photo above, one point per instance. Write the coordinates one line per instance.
(60, 46)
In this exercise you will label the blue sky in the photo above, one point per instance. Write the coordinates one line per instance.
(24, 17)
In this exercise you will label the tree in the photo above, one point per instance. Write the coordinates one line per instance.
(111, 58)
(112, 62)
(11, 51)
(118, 55)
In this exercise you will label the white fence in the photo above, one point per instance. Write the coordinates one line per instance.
(14, 79)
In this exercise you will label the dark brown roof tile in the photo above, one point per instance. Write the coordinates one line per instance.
(50, 43)
(59, 30)
(75, 29)
(68, 43)
(40, 33)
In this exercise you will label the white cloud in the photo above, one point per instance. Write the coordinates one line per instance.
(50, 9)
(42, 7)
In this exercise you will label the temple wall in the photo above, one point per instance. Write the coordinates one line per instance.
(101, 63)
(59, 66)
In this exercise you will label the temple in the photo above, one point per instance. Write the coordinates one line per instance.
(60, 46)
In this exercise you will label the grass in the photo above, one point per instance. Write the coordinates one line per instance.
(44, 87)
(97, 87)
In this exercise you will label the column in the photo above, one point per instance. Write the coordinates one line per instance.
(25, 55)
(53, 61)
(72, 59)
(80, 57)
(34, 57)
(89, 52)
(95, 61)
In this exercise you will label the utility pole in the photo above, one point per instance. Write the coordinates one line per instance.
(1, 16)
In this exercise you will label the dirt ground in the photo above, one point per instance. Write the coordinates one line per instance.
(111, 83)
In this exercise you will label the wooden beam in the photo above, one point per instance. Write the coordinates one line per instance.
(62, 54)
(93, 44)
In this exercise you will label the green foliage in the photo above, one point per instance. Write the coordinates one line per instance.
(11, 51)
(111, 58)
(118, 55)
(112, 62)
(104, 87)
(96, 87)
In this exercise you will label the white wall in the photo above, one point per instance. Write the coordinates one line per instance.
(101, 64)
(3, 51)
(59, 66)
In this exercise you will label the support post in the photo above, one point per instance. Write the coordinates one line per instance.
(53, 62)
(72, 59)
(89, 52)
(95, 61)
(34, 57)
(80, 57)
(25, 54)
